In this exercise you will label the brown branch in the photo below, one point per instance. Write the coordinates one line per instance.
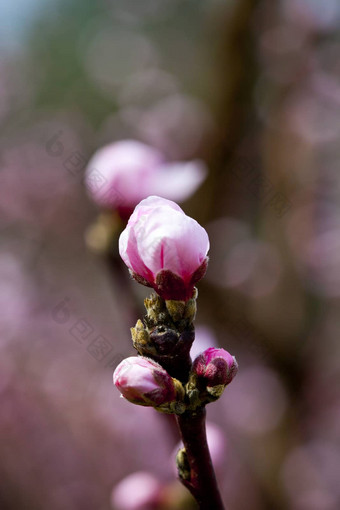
(202, 482)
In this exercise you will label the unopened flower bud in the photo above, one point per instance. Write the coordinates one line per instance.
(164, 248)
(216, 367)
(143, 381)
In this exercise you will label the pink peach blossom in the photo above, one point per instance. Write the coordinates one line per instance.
(121, 174)
(164, 248)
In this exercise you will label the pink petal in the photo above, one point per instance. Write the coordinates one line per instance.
(178, 181)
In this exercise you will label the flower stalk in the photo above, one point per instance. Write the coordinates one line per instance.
(199, 476)
(166, 250)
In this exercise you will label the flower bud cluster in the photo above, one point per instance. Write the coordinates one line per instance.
(163, 341)
(145, 382)
(166, 331)
(167, 250)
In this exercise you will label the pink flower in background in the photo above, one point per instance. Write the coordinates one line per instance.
(216, 366)
(143, 381)
(164, 248)
(261, 410)
(121, 174)
(138, 491)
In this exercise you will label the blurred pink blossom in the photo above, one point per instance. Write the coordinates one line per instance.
(164, 248)
(121, 174)
(257, 399)
(310, 475)
(138, 491)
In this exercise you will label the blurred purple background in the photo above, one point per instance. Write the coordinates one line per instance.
(252, 88)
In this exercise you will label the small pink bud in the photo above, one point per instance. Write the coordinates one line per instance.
(143, 381)
(215, 366)
(164, 248)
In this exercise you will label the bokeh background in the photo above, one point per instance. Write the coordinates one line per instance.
(253, 89)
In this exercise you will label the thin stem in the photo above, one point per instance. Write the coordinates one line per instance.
(202, 483)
